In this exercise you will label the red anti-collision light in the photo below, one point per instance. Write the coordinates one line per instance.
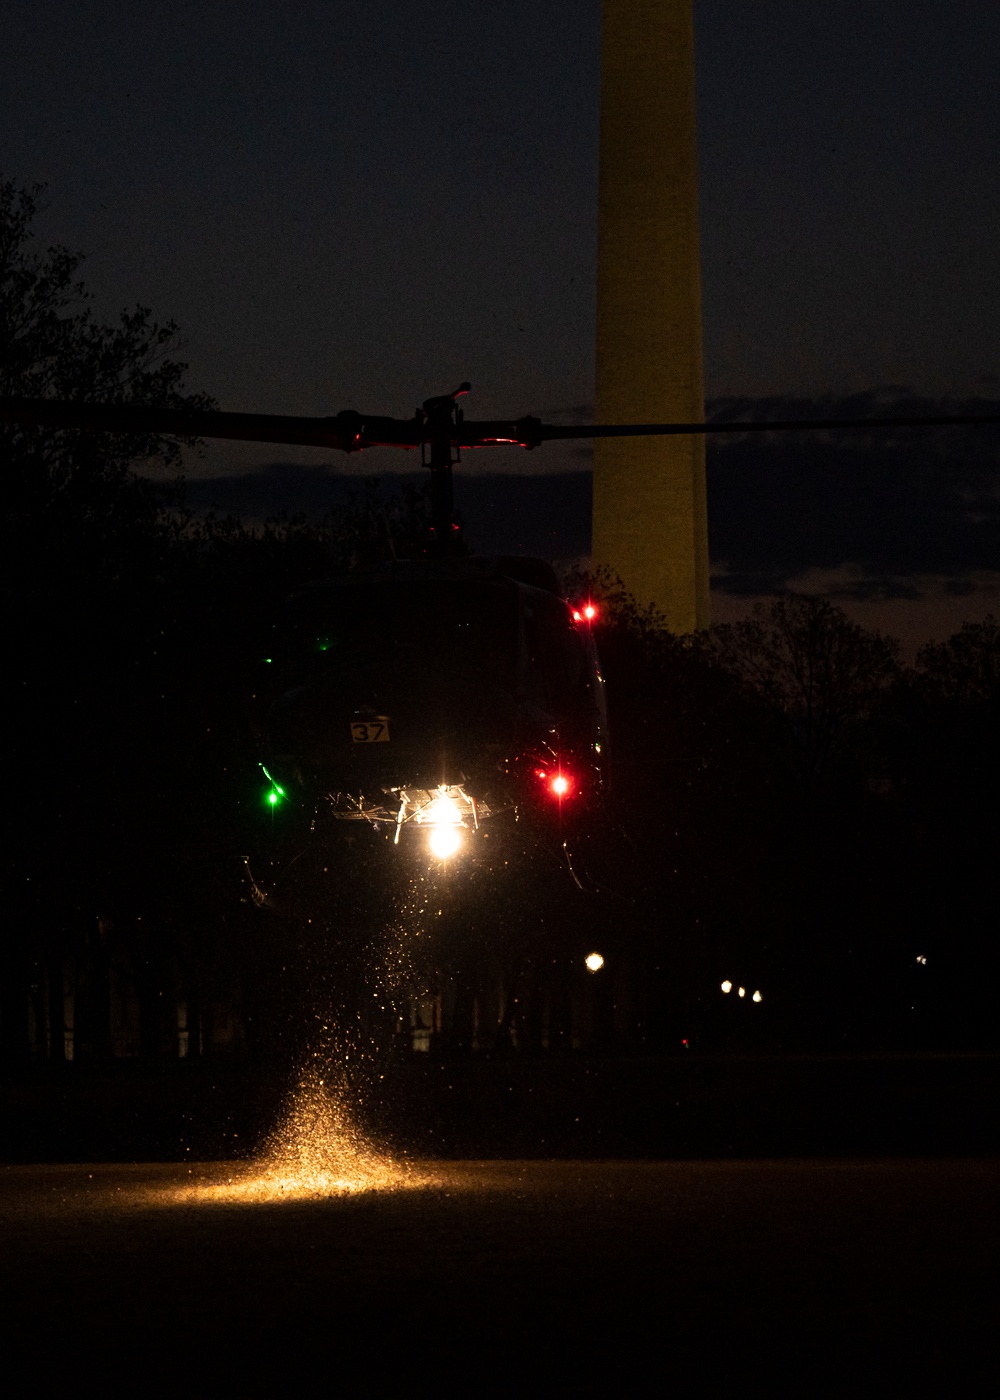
(559, 783)
(590, 612)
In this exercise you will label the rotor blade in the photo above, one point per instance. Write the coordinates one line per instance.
(597, 430)
(348, 431)
(532, 432)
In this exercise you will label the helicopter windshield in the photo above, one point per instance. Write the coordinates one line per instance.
(456, 672)
(467, 628)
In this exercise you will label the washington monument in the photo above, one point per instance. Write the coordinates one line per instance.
(650, 524)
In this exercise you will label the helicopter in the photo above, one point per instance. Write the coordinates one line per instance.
(433, 695)
(431, 699)
(465, 688)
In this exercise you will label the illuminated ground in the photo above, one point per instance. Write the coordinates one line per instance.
(467, 1278)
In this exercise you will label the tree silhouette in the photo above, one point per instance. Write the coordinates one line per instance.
(85, 602)
(811, 664)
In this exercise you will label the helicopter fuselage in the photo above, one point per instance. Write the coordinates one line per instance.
(433, 694)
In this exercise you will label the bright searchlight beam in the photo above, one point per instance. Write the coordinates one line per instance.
(443, 811)
(444, 841)
(443, 817)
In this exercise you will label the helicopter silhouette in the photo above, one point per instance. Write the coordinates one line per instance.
(425, 700)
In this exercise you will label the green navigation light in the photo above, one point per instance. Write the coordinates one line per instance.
(276, 793)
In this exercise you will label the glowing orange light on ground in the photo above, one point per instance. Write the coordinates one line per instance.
(316, 1150)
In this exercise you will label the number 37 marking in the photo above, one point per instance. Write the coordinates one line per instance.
(375, 731)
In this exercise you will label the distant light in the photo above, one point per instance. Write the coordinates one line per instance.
(577, 615)
(727, 986)
(757, 996)
(590, 612)
(444, 841)
(594, 962)
(741, 992)
(560, 785)
(922, 959)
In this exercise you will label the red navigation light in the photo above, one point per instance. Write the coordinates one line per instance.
(559, 783)
(590, 612)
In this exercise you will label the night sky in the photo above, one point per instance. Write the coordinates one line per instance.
(358, 203)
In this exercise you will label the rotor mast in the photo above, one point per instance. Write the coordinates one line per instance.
(442, 417)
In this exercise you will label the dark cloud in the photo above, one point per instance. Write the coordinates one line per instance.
(749, 585)
(880, 590)
(892, 505)
(280, 488)
(960, 587)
